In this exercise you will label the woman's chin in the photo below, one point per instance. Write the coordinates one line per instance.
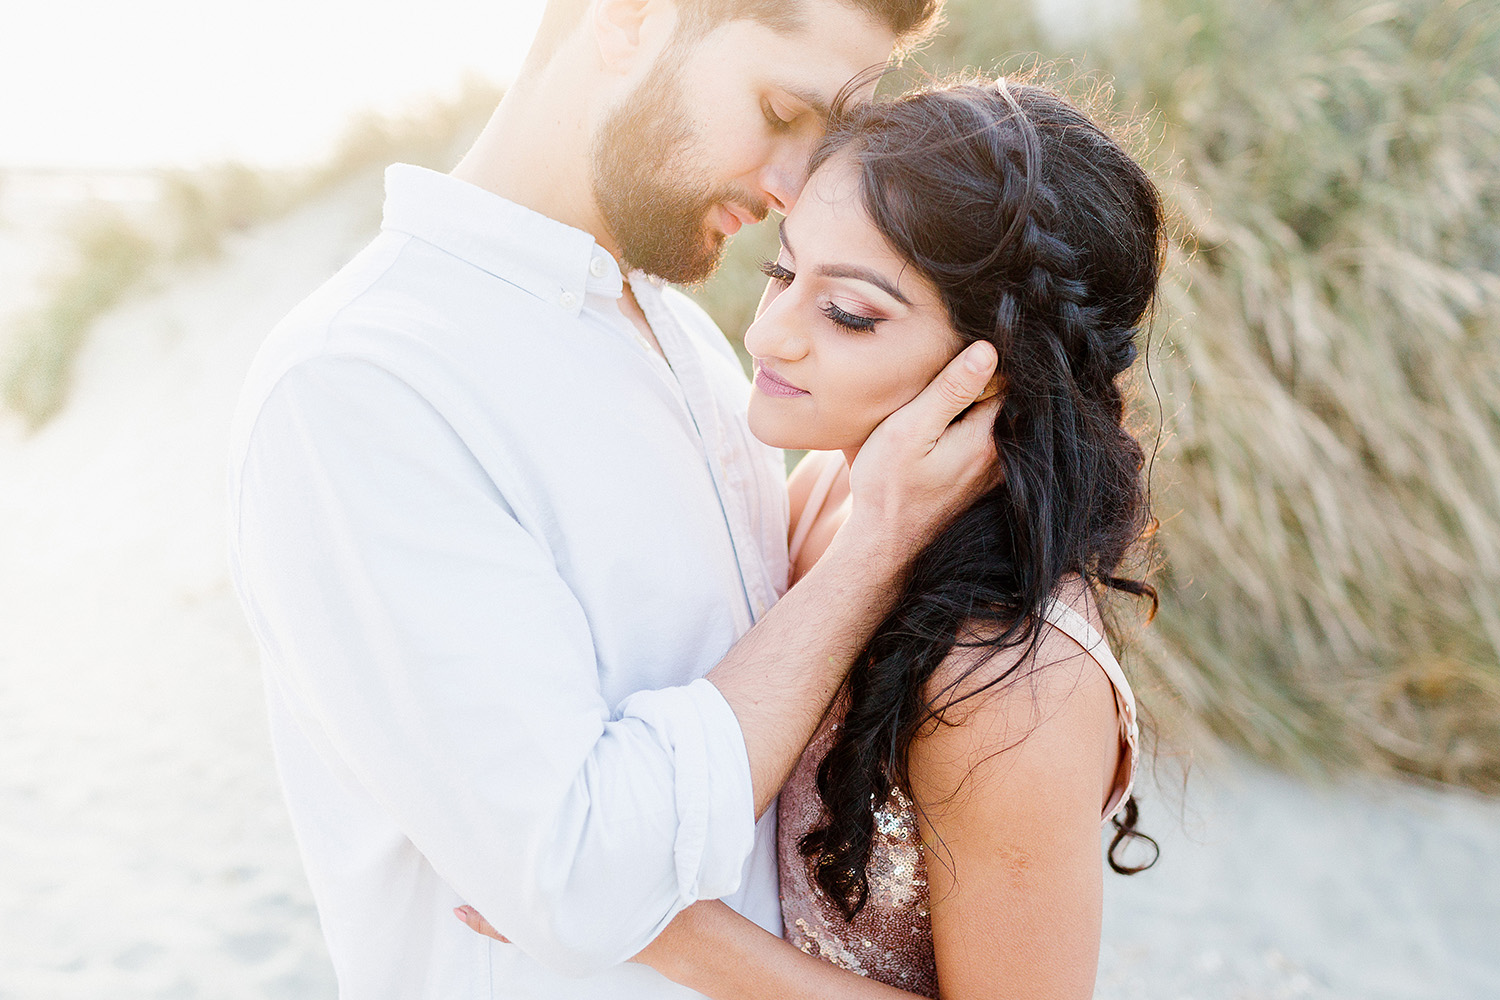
(797, 436)
(776, 437)
(778, 433)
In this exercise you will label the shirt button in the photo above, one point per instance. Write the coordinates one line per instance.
(567, 300)
(597, 267)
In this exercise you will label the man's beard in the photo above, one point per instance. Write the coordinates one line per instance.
(659, 227)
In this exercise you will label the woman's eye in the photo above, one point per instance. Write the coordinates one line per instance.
(849, 320)
(774, 120)
(776, 272)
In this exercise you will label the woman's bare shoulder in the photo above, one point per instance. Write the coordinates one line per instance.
(1047, 674)
(1009, 791)
(1049, 698)
(804, 476)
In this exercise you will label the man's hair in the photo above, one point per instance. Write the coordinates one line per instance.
(911, 21)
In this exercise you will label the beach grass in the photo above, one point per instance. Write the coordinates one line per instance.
(1325, 372)
(115, 253)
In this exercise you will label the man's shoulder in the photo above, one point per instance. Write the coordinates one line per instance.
(371, 316)
(343, 316)
(401, 304)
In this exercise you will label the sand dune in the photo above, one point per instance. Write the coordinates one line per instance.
(144, 848)
(146, 852)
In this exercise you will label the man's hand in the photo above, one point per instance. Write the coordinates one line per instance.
(917, 470)
(478, 924)
(658, 953)
(920, 468)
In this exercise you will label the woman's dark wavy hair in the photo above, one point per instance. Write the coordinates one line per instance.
(1046, 239)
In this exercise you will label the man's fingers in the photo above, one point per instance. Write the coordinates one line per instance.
(478, 924)
(977, 428)
(979, 422)
(958, 385)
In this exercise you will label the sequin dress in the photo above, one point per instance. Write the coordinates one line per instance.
(890, 939)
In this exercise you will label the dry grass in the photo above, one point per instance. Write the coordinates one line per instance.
(115, 255)
(1329, 367)
(1334, 382)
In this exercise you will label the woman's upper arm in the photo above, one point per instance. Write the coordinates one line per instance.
(1010, 801)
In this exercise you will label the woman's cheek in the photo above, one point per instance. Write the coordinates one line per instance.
(772, 289)
(899, 387)
(867, 410)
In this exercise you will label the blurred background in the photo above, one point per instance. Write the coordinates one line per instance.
(1322, 394)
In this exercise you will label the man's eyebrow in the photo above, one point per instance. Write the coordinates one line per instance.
(849, 271)
(814, 100)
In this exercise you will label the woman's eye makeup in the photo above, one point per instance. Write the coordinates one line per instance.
(839, 317)
(849, 320)
(773, 270)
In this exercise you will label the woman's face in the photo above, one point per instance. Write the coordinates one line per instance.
(847, 331)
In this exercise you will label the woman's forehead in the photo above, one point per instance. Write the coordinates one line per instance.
(829, 232)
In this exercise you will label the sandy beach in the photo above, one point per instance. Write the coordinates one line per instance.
(144, 848)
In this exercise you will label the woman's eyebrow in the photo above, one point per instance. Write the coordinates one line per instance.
(847, 270)
(864, 274)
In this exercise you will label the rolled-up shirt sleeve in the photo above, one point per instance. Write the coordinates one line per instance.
(414, 621)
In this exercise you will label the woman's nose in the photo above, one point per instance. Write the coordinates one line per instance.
(775, 333)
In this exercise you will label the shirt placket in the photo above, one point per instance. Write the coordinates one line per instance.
(714, 441)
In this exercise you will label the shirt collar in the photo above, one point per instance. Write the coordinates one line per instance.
(541, 256)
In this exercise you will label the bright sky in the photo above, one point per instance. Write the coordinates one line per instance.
(106, 83)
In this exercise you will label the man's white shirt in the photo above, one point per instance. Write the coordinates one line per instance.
(489, 542)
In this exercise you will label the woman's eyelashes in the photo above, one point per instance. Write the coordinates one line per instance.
(839, 317)
(773, 270)
(849, 320)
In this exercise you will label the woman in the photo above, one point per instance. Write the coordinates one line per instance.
(940, 834)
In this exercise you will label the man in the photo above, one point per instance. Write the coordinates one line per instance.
(495, 511)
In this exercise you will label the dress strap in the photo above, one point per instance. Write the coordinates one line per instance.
(1077, 628)
(833, 464)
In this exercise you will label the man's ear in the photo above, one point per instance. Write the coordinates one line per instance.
(628, 30)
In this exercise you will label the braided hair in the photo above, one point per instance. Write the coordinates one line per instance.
(1045, 238)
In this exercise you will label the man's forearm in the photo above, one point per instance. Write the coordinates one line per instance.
(710, 948)
(782, 675)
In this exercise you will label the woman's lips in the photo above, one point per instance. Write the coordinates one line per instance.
(771, 384)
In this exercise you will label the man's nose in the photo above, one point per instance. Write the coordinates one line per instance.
(785, 175)
(782, 189)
